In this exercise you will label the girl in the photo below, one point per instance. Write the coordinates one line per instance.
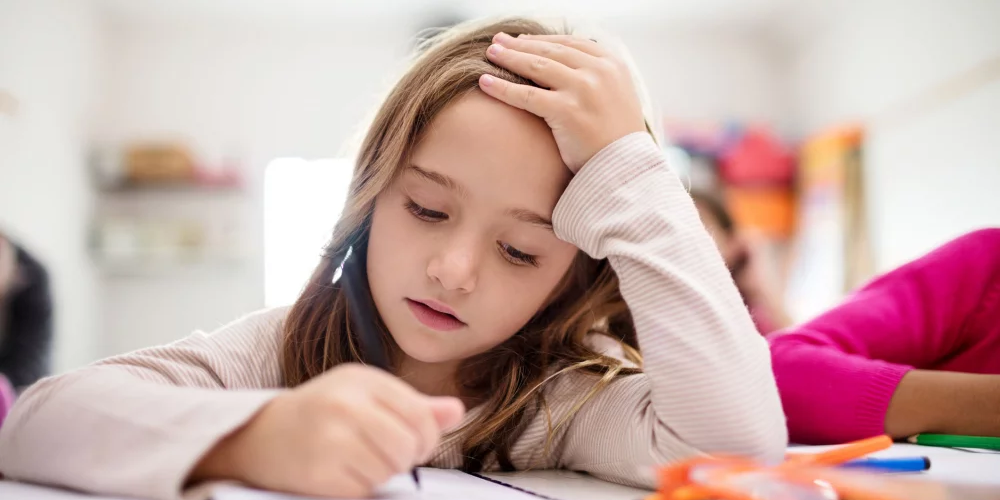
(517, 215)
(916, 350)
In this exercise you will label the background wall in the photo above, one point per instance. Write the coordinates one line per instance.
(925, 78)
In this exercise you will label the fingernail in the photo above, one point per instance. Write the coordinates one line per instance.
(485, 80)
(495, 49)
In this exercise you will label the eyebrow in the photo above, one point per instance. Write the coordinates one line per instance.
(439, 179)
(520, 214)
(525, 215)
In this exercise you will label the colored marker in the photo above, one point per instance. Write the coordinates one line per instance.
(955, 441)
(890, 464)
(842, 454)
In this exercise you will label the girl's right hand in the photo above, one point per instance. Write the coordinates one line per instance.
(342, 434)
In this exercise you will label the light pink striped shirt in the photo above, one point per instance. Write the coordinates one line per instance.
(136, 424)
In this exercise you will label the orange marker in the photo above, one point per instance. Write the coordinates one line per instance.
(841, 454)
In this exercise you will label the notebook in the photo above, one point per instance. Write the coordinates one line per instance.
(437, 484)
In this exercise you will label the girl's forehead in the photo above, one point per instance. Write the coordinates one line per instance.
(486, 146)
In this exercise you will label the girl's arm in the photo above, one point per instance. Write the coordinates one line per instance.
(847, 374)
(707, 385)
(136, 424)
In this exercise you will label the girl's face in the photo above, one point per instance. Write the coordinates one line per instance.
(461, 253)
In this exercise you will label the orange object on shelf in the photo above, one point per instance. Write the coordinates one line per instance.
(768, 209)
(159, 163)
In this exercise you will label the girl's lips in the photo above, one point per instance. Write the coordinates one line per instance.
(431, 315)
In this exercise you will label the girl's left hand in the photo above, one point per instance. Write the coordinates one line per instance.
(589, 100)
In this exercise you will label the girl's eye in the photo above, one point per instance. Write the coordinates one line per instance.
(424, 213)
(515, 256)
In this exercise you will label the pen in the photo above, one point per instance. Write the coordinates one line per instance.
(361, 313)
(890, 464)
(956, 441)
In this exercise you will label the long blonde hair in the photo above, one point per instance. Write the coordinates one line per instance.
(509, 378)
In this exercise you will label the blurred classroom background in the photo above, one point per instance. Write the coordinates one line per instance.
(178, 163)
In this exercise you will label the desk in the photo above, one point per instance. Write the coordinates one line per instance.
(974, 469)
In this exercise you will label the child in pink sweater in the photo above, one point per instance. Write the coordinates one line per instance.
(916, 350)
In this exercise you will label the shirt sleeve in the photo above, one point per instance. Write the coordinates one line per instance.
(135, 425)
(706, 385)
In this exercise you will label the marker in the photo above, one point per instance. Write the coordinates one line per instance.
(956, 441)
(842, 454)
(890, 464)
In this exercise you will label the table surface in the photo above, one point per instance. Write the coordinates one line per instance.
(963, 468)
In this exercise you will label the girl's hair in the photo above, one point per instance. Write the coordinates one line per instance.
(508, 379)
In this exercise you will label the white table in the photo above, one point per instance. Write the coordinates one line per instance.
(963, 468)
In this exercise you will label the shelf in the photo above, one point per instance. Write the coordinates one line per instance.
(152, 267)
(172, 188)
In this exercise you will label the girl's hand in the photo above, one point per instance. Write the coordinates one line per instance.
(589, 99)
(342, 434)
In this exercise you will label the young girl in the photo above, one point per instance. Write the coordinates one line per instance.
(916, 350)
(517, 217)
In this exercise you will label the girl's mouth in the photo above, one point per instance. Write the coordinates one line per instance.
(434, 316)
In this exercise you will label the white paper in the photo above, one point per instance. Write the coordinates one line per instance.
(436, 484)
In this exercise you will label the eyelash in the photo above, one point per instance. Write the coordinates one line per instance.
(509, 253)
(424, 213)
(515, 256)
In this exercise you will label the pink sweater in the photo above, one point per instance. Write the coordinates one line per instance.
(837, 373)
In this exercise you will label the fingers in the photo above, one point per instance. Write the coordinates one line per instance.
(532, 99)
(366, 465)
(329, 479)
(566, 55)
(584, 45)
(412, 408)
(396, 445)
(539, 69)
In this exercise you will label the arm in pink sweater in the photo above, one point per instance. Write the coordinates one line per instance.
(837, 373)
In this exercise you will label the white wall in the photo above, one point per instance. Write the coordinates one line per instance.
(935, 173)
(252, 91)
(711, 74)
(50, 58)
(286, 90)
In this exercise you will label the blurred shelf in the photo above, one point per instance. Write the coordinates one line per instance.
(165, 267)
(172, 188)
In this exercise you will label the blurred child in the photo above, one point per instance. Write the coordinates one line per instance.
(25, 316)
(743, 258)
(916, 350)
